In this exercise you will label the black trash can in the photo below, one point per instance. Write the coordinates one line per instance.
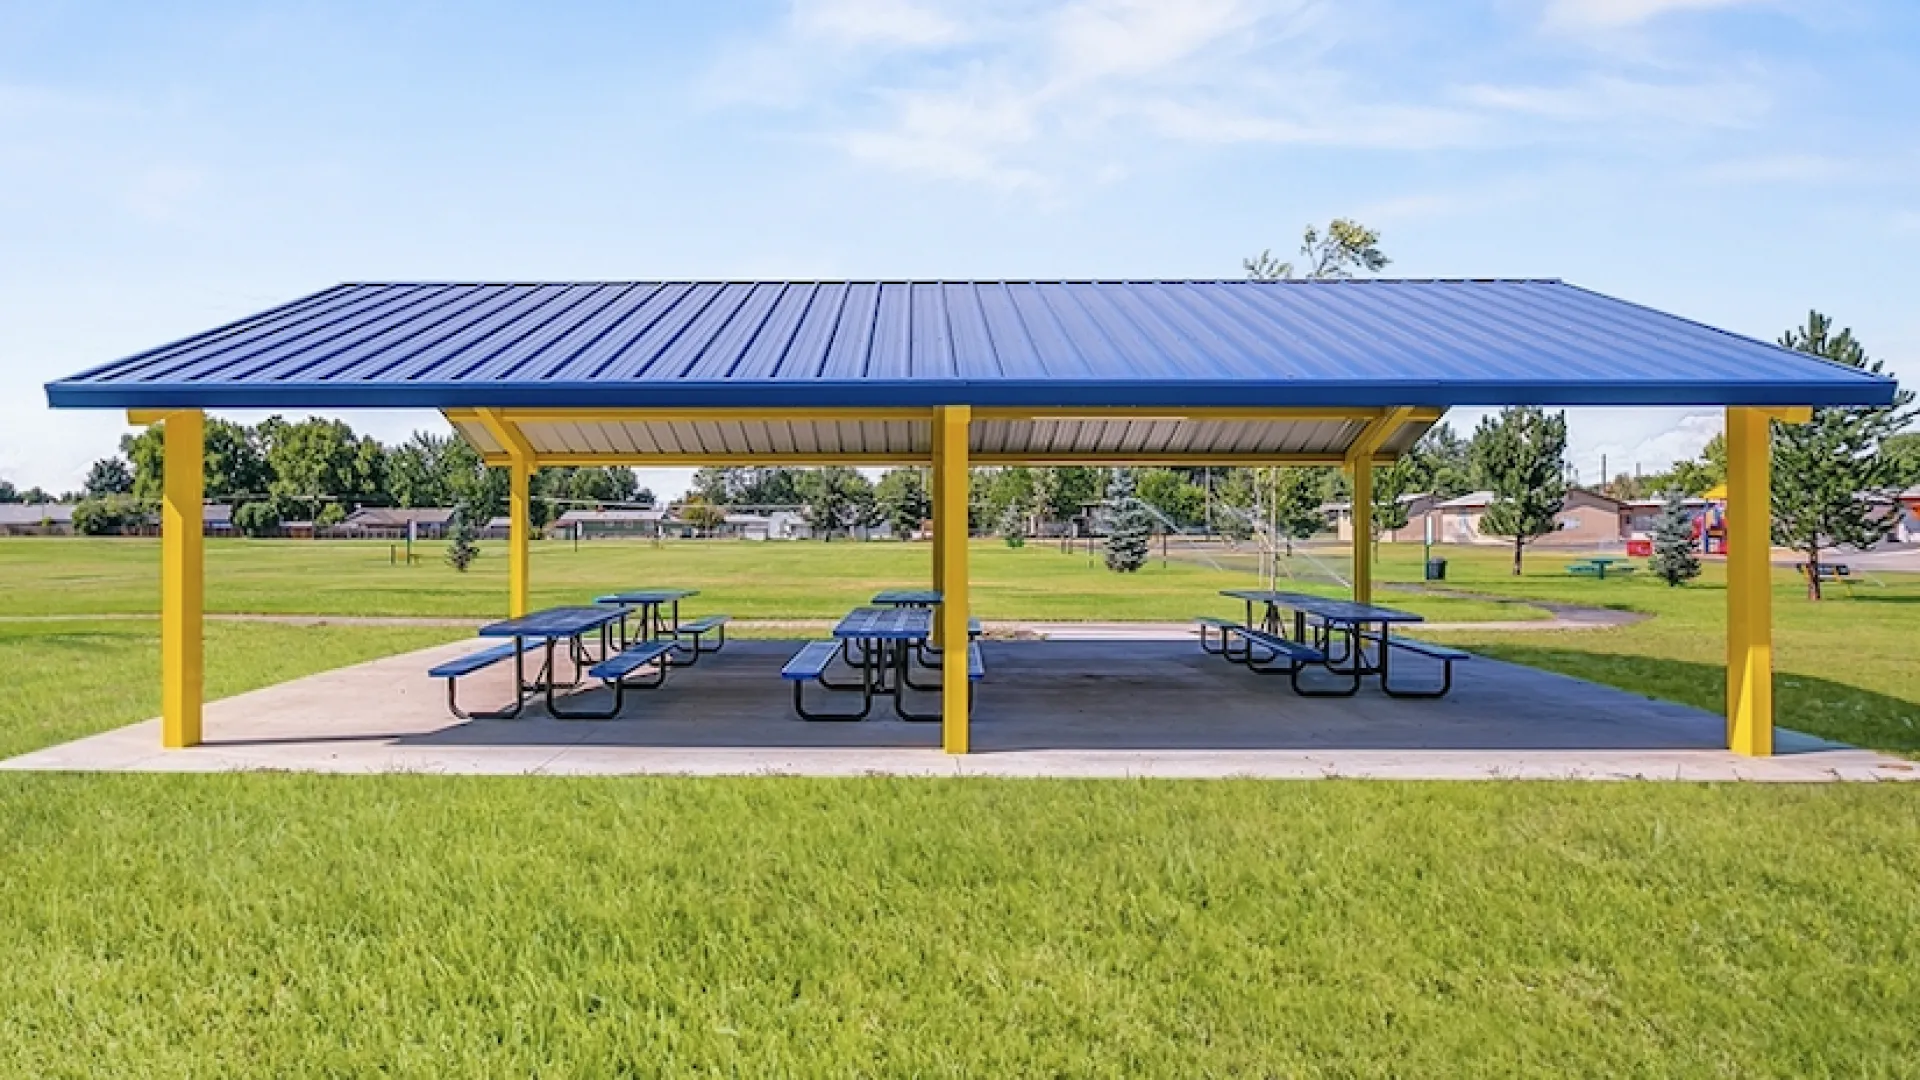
(1436, 569)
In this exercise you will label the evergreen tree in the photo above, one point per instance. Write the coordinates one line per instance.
(1674, 557)
(1521, 455)
(1826, 470)
(461, 550)
(1013, 526)
(1128, 525)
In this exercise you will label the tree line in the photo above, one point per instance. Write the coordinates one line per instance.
(319, 470)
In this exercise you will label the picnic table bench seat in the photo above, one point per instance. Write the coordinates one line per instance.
(1221, 626)
(453, 670)
(614, 672)
(696, 628)
(1299, 656)
(472, 662)
(1446, 654)
(631, 659)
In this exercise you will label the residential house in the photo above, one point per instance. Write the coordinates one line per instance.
(1588, 519)
(1908, 531)
(772, 525)
(392, 522)
(37, 519)
(1418, 504)
(597, 524)
(1642, 513)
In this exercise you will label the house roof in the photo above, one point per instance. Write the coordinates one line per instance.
(608, 516)
(399, 516)
(1064, 344)
(1470, 500)
(35, 513)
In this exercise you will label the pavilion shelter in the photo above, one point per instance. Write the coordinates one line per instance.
(953, 374)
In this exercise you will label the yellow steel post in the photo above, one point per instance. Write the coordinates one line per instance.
(939, 534)
(950, 529)
(1749, 583)
(182, 579)
(519, 536)
(1362, 530)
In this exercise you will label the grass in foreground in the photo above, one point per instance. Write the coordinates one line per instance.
(270, 925)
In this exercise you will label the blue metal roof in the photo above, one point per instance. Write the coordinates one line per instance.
(1008, 343)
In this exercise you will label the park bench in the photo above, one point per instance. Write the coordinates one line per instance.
(708, 625)
(1830, 574)
(1221, 626)
(1299, 657)
(1447, 655)
(613, 671)
(453, 670)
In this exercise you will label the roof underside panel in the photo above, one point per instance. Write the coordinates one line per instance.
(1068, 439)
(995, 343)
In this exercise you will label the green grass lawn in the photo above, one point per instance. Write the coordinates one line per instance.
(790, 580)
(422, 926)
(72, 678)
(429, 926)
(1845, 667)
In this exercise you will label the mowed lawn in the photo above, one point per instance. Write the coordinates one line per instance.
(428, 926)
(776, 580)
(447, 926)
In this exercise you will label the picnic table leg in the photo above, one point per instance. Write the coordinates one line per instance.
(519, 693)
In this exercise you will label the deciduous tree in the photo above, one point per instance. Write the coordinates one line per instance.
(1521, 455)
(1344, 248)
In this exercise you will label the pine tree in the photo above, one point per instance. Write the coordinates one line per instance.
(1826, 471)
(1013, 525)
(1128, 525)
(1674, 558)
(461, 550)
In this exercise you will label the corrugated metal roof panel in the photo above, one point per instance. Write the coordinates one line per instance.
(1008, 343)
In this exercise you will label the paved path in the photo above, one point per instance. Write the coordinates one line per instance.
(1047, 708)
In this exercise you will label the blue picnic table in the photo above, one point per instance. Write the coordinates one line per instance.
(546, 629)
(650, 603)
(924, 598)
(879, 641)
(1354, 623)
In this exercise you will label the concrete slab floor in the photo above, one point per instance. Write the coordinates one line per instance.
(1098, 707)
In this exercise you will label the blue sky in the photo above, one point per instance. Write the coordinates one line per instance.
(165, 170)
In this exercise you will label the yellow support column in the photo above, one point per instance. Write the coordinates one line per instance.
(182, 580)
(1749, 583)
(1362, 471)
(519, 536)
(950, 532)
(939, 539)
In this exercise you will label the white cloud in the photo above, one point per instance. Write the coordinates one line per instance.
(1614, 14)
(1783, 169)
(1649, 440)
(875, 22)
(1038, 87)
(1724, 103)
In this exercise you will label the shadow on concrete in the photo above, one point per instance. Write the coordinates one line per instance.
(1128, 695)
